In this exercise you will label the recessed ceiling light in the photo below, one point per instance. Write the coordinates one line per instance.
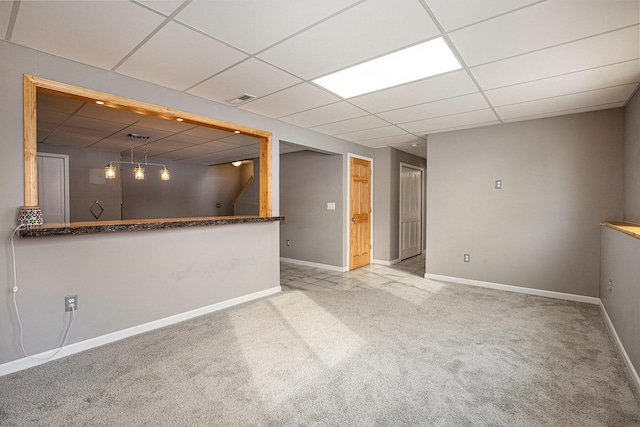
(100, 102)
(415, 144)
(407, 65)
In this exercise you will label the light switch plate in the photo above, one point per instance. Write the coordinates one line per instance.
(331, 206)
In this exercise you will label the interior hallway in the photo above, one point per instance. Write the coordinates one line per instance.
(298, 277)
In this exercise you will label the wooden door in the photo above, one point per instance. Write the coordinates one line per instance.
(360, 212)
(410, 212)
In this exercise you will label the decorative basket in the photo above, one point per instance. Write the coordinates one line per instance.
(31, 216)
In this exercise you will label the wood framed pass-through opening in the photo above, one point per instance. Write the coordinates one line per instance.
(33, 85)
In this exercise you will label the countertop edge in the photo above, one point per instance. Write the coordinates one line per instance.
(129, 226)
(629, 228)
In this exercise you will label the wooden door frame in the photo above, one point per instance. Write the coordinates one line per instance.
(422, 208)
(348, 208)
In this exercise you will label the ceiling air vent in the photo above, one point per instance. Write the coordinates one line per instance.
(241, 99)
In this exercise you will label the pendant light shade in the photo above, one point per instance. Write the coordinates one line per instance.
(110, 171)
(138, 172)
(164, 174)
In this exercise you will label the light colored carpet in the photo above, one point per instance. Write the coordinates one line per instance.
(431, 354)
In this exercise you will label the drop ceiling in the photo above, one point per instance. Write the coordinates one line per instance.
(521, 59)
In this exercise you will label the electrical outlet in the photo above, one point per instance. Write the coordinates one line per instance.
(610, 285)
(288, 242)
(498, 184)
(467, 258)
(71, 303)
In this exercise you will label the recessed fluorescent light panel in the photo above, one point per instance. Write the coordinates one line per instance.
(407, 65)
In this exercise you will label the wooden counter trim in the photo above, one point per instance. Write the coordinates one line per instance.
(629, 228)
(76, 228)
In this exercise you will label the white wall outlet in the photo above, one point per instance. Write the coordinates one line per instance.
(498, 184)
(331, 206)
(467, 258)
(71, 303)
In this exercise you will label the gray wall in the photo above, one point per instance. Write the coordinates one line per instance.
(209, 264)
(620, 252)
(386, 201)
(194, 190)
(632, 161)
(308, 180)
(82, 192)
(620, 255)
(249, 202)
(561, 176)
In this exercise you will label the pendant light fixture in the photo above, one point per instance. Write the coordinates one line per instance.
(138, 171)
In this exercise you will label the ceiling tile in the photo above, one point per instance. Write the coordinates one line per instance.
(289, 101)
(565, 112)
(368, 30)
(372, 133)
(445, 107)
(408, 146)
(468, 12)
(405, 138)
(567, 102)
(196, 150)
(57, 103)
(251, 76)
(448, 122)
(89, 124)
(596, 78)
(252, 25)
(542, 25)
(77, 137)
(325, 114)
(110, 114)
(351, 125)
(106, 32)
(163, 124)
(242, 140)
(51, 119)
(153, 134)
(164, 146)
(611, 48)
(432, 89)
(206, 132)
(183, 139)
(166, 7)
(182, 62)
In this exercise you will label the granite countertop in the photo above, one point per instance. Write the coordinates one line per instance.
(92, 227)
(629, 228)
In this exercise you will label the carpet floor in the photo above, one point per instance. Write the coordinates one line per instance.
(428, 354)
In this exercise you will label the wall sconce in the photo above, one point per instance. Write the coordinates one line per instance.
(237, 163)
(138, 171)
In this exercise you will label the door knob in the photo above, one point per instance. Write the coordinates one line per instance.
(353, 220)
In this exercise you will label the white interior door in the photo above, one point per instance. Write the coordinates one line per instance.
(410, 212)
(53, 187)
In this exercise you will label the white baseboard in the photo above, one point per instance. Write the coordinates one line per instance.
(518, 289)
(627, 361)
(315, 264)
(20, 364)
(384, 262)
